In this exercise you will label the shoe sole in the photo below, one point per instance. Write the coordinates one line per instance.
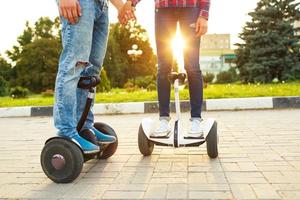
(193, 137)
(189, 137)
(91, 152)
(163, 136)
(99, 143)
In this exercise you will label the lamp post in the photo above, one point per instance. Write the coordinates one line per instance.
(134, 53)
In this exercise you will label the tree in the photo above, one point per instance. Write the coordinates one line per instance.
(118, 65)
(271, 45)
(37, 65)
(36, 56)
(43, 28)
(104, 85)
(46, 28)
(3, 87)
(5, 69)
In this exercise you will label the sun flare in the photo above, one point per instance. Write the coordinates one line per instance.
(177, 47)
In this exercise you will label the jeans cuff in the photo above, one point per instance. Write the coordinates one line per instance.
(67, 134)
(196, 118)
(165, 118)
(88, 125)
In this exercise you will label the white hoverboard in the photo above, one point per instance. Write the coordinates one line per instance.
(176, 137)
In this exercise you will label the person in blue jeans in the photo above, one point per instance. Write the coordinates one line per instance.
(192, 16)
(84, 39)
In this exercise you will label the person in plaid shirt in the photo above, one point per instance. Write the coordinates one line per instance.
(202, 4)
(192, 16)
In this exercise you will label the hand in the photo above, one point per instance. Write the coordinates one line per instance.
(126, 13)
(70, 10)
(201, 26)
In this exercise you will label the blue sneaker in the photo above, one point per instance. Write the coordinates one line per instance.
(102, 138)
(87, 147)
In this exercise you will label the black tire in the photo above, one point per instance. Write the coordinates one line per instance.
(176, 134)
(73, 158)
(111, 148)
(212, 141)
(145, 145)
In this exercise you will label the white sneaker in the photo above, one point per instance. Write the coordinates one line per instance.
(197, 128)
(163, 130)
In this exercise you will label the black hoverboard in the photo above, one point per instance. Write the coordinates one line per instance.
(62, 158)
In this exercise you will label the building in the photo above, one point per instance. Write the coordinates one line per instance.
(216, 53)
(215, 42)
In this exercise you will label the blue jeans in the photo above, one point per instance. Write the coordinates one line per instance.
(165, 29)
(84, 48)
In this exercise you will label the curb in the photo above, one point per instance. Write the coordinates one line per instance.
(152, 107)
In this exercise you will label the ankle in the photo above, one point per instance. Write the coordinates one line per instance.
(196, 118)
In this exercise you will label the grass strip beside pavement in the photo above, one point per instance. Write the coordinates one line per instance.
(213, 91)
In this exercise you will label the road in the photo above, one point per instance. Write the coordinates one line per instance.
(259, 158)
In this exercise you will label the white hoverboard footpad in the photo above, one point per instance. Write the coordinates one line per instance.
(208, 125)
(148, 126)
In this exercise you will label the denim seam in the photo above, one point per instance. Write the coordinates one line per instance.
(64, 72)
(103, 7)
(68, 43)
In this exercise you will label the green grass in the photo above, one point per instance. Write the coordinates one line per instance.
(213, 91)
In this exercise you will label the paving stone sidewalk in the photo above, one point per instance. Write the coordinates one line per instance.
(259, 159)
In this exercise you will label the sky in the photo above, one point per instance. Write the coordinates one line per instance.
(226, 16)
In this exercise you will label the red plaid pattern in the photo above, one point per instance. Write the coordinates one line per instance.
(202, 4)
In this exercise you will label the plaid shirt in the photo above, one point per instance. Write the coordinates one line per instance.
(202, 4)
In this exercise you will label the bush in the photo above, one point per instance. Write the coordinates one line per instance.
(19, 92)
(208, 77)
(151, 87)
(233, 71)
(145, 81)
(227, 76)
(128, 84)
(3, 87)
(48, 93)
(104, 85)
(130, 87)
